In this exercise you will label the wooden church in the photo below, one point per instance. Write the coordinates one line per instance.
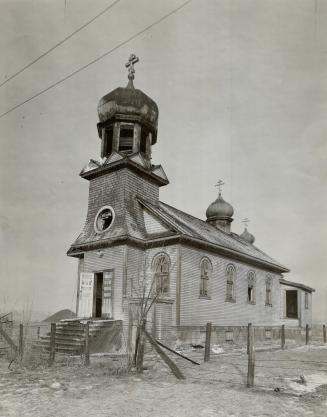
(133, 243)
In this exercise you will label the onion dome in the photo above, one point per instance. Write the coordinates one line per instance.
(219, 209)
(129, 105)
(219, 213)
(246, 235)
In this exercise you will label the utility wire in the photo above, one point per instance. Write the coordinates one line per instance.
(60, 43)
(98, 58)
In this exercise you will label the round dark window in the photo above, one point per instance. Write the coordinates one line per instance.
(104, 219)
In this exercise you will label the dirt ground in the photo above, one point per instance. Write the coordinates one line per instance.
(288, 383)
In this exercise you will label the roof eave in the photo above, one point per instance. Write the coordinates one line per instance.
(77, 250)
(296, 285)
(123, 163)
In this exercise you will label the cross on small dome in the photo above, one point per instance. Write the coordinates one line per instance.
(220, 184)
(246, 221)
(246, 235)
(219, 209)
(133, 59)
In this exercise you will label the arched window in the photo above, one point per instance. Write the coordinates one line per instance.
(230, 282)
(268, 291)
(251, 287)
(206, 269)
(306, 300)
(161, 274)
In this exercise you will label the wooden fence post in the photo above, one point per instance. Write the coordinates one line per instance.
(324, 332)
(306, 334)
(52, 344)
(207, 344)
(282, 336)
(21, 341)
(38, 332)
(175, 370)
(87, 344)
(251, 357)
(248, 338)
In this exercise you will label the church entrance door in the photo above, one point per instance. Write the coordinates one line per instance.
(102, 298)
(85, 295)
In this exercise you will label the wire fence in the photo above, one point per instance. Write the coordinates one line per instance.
(283, 360)
(283, 357)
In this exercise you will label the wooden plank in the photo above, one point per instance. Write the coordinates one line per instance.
(115, 137)
(52, 344)
(282, 336)
(247, 339)
(125, 260)
(87, 345)
(307, 334)
(130, 338)
(178, 285)
(177, 353)
(175, 370)
(207, 343)
(21, 340)
(251, 358)
(8, 339)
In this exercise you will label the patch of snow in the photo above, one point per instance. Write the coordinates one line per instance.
(217, 349)
(55, 385)
(87, 387)
(312, 382)
(306, 348)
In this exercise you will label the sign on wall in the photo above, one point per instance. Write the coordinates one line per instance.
(85, 305)
(107, 308)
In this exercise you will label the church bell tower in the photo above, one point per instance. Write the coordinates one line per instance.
(125, 174)
(128, 120)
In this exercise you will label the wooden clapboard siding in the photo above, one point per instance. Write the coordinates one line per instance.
(197, 311)
(188, 307)
(80, 269)
(152, 224)
(306, 314)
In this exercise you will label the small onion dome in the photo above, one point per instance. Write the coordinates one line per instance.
(131, 105)
(219, 209)
(247, 236)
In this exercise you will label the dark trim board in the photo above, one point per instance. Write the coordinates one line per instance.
(124, 163)
(78, 250)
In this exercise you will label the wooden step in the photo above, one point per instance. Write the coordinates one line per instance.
(67, 342)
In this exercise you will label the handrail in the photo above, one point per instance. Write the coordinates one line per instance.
(8, 314)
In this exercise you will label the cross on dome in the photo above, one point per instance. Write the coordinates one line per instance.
(133, 59)
(246, 221)
(220, 184)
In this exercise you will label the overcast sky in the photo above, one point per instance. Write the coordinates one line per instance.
(242, 89)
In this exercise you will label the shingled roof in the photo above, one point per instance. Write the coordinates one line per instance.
(180, 226)
(203, 232)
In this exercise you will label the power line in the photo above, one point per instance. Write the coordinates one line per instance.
(98, 58)
(60, 43)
